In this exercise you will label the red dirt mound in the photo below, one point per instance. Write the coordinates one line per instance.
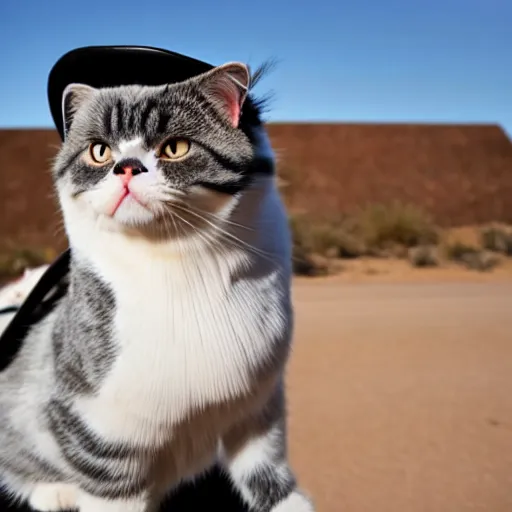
(460, 174)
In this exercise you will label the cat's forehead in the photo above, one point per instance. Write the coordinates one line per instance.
(138, 112)
(134, 112)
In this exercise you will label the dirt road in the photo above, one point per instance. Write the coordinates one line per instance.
(401, 396)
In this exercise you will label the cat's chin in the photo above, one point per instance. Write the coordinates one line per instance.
(142, 223)
(145, 224)
(132, 213)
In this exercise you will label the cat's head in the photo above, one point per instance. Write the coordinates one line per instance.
(151, 160)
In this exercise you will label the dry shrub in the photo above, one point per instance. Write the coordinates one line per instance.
(300, 230)
(497, 239)
(335, 241)
(304, 264)
(472, 257)
(328, 237)
(424, 256)
(482, 261)
(377, 230)
(308, 264)
(459, 251)
(381, 226)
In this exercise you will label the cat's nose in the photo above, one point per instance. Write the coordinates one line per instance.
(127, 169)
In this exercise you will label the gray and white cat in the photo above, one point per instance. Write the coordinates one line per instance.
(168, 352)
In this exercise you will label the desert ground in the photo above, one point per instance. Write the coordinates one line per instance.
(399, 391)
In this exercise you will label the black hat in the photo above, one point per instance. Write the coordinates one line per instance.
(110, 66)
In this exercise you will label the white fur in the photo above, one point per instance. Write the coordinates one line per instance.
(183, 343)
(52, 497)
(88, 503)
(134, 148)
(296, 502)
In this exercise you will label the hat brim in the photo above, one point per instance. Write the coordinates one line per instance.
(110, 66)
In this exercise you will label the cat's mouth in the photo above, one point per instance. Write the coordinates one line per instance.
(124, 196)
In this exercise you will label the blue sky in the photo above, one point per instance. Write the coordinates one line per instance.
(365, 60)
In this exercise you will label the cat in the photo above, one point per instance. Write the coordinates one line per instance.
(168, 352)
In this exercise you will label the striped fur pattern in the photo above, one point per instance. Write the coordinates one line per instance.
(167, 353)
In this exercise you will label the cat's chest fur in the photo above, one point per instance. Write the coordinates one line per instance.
(191, 333)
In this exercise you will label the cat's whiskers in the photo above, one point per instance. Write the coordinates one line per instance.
(171, 200)
(241, 244)
(219, 218)
(60, 228)
(210, 242)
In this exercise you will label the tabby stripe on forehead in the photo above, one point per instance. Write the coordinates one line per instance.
(146, 113)
(119, 117)
(163, 121)
(130, 120)
(107, 121)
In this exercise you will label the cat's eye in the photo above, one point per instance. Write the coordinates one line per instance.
(174, 149)
(100, 152)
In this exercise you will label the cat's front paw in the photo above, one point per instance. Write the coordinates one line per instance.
(295, 502)
(53, 497)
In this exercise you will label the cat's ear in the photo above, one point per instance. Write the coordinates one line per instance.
(226, 87)
(72, 98)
